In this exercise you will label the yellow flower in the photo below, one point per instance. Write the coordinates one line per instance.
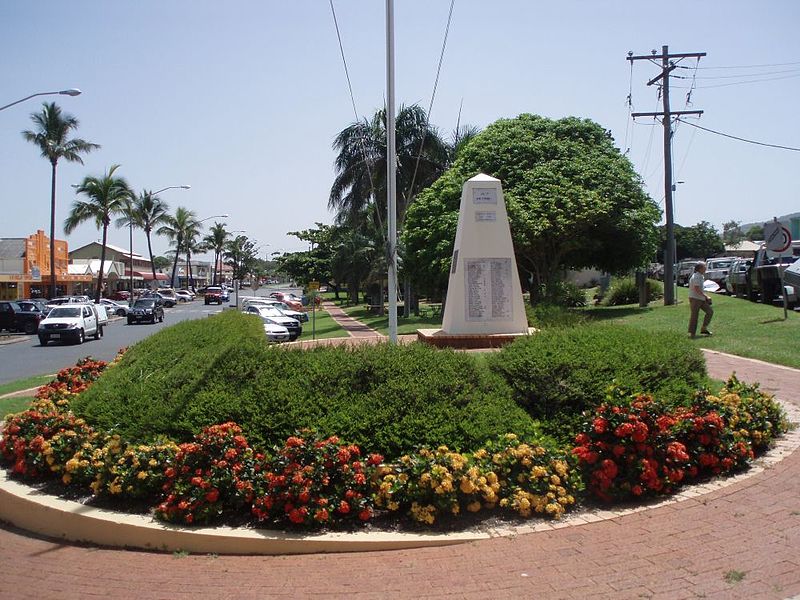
(555, 480)
(403, 477)
(66, 478)
(393, 505)
(538, 472)
(141, 475)
(466, 486)
(560, 467)
(152, 462)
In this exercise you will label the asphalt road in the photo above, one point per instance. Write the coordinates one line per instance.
(26, 357)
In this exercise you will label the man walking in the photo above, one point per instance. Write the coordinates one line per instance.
(699, 300)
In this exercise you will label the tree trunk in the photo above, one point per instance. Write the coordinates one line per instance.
(407, 298)
(53, 232)
(102, 265)
(175, 263)
(150, 252)
(190, 281)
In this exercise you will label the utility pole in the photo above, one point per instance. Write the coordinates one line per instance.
(667, 66)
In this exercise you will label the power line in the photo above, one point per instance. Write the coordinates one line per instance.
(433, 96)
(747, 66)
(737, 76)
(739, 138)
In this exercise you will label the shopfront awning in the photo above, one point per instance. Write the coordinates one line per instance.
(147, 276)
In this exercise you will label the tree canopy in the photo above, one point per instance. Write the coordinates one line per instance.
(573, 202)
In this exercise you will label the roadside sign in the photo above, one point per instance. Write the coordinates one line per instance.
(313, 286)
(777, 236)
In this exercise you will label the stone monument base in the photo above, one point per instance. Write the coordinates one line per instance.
(440, 339)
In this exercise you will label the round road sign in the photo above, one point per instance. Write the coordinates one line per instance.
(777, 236)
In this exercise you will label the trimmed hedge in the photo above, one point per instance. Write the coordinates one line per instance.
(558, 373)
(388, 399)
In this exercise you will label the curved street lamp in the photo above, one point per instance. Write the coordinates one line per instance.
(69, 92)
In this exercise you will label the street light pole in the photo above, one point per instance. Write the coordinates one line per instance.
(69, 92)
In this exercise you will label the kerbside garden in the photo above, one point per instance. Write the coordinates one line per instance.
(206, 423)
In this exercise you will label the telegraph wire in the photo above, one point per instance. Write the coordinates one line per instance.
(353, 102)
(766, 66)
(739, 138)
(433, 96)
(738, 75)
(705, 87)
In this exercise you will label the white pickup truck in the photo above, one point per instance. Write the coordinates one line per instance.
(73, 322)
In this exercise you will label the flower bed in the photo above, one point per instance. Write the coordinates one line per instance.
(630, 446)
(635, 446)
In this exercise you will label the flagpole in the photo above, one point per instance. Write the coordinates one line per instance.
(391, 169)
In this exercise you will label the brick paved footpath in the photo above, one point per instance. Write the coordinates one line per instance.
(749, 530)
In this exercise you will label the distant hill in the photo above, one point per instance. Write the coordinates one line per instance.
(784, 219)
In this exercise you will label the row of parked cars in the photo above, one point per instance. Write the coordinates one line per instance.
(757, 278)
(282, 321)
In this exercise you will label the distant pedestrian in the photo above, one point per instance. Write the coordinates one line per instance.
(699, 300)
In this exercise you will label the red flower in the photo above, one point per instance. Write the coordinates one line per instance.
(640, 432)
(624, 430)
(344, 507)
(212, 495)
(365, 514)
(600, 425)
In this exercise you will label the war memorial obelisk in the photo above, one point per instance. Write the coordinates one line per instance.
(484, 305)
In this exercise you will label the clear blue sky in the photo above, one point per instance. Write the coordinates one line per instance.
(242, 100)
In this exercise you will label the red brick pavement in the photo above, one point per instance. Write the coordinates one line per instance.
(750, 529)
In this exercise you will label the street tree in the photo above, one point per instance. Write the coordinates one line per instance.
(106, 196)
(756, 233)
(698, 241)
(215, 240)
(574, 201)
(241, 255)
(149, 212)
(732, 233)
(178, 228)
(51, 134)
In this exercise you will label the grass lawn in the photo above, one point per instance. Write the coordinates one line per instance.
(20, 403)
(381, 324)
(324, 327)
(740, 327)
(24, 384)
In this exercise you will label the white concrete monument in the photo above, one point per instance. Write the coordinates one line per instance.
(484, 296)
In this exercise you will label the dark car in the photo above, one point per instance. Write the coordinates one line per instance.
(146, 310)
(34, 305)
(14, 318)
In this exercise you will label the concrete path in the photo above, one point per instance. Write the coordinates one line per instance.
(741, 541)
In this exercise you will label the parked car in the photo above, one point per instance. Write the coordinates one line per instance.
(292, 301)
(213, 295)
(717, 270)
(146, 310)
(281, 306)
(685, 270)
(120, 295)
(34, 305)
(185, 295)
(115, 308)
(14, 318)
(765, 276)
(72, 322)
(68, 300)
(293, 325)
(738, 278)
(274, 331)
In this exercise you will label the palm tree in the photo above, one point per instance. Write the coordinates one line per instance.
(106, 196)
(360, 183)
(51, 131)
(178, 227)
(360, 164)
(216, 240)
(149, 212)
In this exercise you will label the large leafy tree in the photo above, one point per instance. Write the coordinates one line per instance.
(179, 228)
(573, 202)
(732, 232)
(698, 241)
(51, 134)
(105, 196)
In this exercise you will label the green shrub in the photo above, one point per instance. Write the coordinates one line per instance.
(385, 398)
(625, 291)
(544, 316)
(556, 374)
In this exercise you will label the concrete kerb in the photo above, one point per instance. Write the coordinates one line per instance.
(34, 511)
